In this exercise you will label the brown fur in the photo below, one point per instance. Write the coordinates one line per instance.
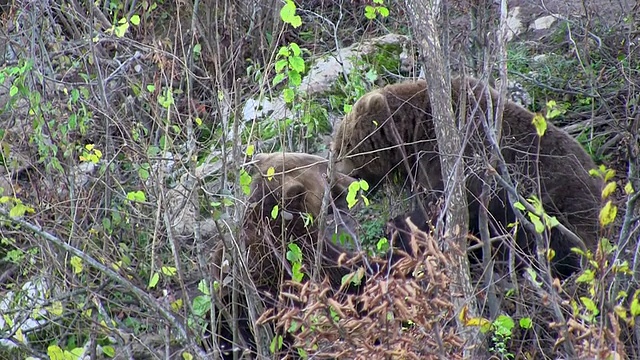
(365, 146)
(297, 187)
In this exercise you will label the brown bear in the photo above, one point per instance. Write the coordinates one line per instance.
(389, 123)
(296, 183)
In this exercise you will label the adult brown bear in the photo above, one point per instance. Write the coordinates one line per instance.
(388, 123)
(295, 183)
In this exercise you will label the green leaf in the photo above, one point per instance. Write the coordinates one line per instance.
(525, 323)
(589, 305)
(606, 246)
(364, 185)
(288, 11)
(203, 287)
(608, 214)
(169, 270)
(154, 280)
(535, 219)
(55, 352)
(608, 190)
(270, 172)
(503, 325)
(294, 254)
(245, 181)
(76, 264)
(382, 245)
(120, 30)
(250, 150)
(352, 200)
(276, 344)
(109, 351)
(288, 95)
(369, 12)
(296, 63)
(280, 64)
(586, 277)
(13, 91)
(283, 52)
(17, 210)
(274, 211)
(296, 270)
(296, 21)
(628, 188)
(635, 306)
(540, 124)
(295, 49)
(278, 79)
(383, 11)
(201, 305)
(136, 196)
(551, 221)
(135, 19)
(143, 173)
(518, 205)
(609, 174)
(74, 354)
(294, 78)
(187, 356)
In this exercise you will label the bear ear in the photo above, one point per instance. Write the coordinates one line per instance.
(373, 103)
(293, 193)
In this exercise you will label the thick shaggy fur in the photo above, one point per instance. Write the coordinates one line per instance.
(388, 123)
(296, 185)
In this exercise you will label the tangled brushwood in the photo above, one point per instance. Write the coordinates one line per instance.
(403, 312)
